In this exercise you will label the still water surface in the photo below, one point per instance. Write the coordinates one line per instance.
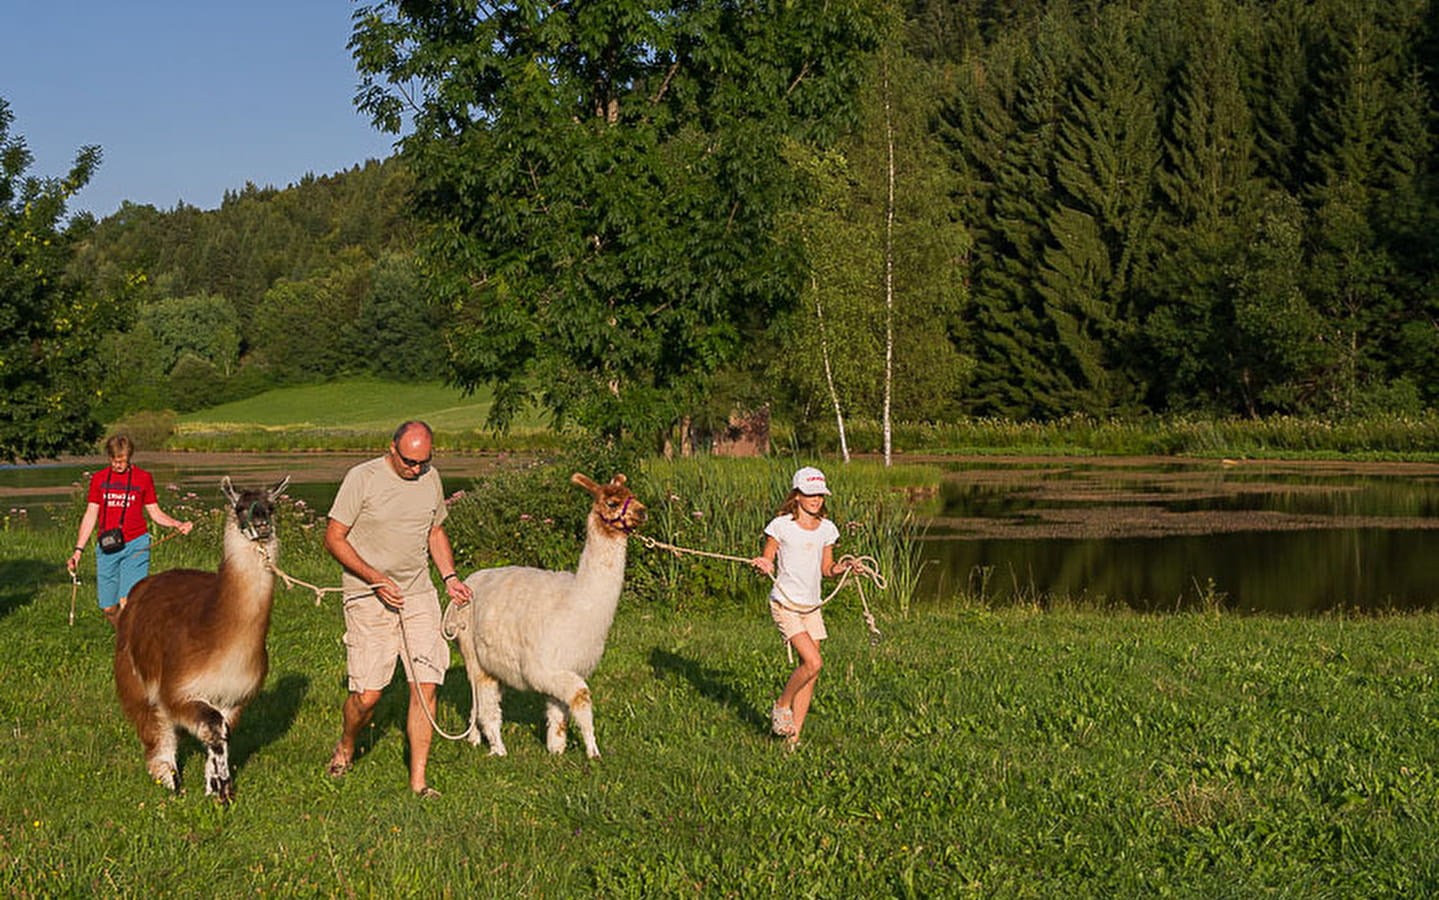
(1156, 534)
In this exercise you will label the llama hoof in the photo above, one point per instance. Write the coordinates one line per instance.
(224, 792)
(475, 739)
(166, 776)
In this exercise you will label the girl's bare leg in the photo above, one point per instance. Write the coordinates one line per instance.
(799, 690)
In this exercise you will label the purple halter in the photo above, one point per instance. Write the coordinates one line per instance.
(618, 521)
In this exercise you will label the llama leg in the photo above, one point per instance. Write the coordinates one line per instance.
(571, 691)
(484, 688)
(556, 732)
(159, 736)
(208, 724)
(486, 713)
(154, 728)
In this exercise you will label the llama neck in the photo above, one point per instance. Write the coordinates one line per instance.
(601, 572)
(247, 582)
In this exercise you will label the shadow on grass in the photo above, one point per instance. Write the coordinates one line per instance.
(264, 720)
(714, 684)
(268, 716)
(21, 580)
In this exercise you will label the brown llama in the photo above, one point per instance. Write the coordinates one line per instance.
(190, 645)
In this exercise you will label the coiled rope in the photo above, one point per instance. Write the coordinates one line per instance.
(291, 581)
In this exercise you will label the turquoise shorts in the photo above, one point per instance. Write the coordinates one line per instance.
(117, 573)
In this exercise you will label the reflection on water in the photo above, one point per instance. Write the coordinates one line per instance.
(1286, 572)
(1270, 537)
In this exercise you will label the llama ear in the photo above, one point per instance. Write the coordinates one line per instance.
(279, 489)
(228, 490)
(618, 479)
(585, 483)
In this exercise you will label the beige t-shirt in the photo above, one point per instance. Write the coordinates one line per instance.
(390, 520)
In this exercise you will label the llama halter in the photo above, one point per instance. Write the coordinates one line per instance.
(618, 522)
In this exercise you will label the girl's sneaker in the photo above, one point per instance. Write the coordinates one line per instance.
(781, 721)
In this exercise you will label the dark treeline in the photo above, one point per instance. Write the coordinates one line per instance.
(1111, 208)
(1193, 205)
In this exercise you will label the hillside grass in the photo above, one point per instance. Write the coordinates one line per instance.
(353, 413)
(973, 752)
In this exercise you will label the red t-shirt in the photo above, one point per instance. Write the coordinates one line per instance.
(108, 489)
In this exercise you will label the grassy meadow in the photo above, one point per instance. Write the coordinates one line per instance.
(973, 752)
(354, 413)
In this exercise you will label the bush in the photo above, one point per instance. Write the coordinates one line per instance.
(149, 430)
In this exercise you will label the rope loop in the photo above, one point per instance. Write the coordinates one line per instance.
(860, 567)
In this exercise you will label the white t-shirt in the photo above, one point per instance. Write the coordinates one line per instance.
(797, 565)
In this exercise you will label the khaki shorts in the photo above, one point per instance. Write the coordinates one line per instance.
(792, 623)
(373, 640)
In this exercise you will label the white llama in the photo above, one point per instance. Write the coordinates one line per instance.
(537, 630)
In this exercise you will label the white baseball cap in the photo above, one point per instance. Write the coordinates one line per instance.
(809, 480)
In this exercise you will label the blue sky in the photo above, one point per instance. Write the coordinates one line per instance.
(186, 99)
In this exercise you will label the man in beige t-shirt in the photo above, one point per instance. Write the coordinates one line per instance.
(386, 525)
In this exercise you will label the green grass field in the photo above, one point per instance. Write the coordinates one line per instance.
(361, 404)
(351, 413)
(973, 752)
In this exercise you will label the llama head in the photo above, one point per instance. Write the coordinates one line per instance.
(615, 506)
(254, 509)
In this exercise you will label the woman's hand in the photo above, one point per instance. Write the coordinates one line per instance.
(764, 564)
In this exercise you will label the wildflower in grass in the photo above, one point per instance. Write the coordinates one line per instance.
(698, 514)
(524, 517)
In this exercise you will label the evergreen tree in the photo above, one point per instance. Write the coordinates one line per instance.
(1209, 187)
(1005, 124)
(1100, 237)
(1363, 151)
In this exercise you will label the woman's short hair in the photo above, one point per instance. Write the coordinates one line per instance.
(119, 445)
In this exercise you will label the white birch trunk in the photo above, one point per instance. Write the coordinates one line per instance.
(828, 372)
(888, 272)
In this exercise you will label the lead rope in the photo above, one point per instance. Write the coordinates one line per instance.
(861, 567)
(291, 581)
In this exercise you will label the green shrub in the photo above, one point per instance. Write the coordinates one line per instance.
(148, 430)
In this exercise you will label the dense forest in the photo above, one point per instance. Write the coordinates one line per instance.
(922, 211)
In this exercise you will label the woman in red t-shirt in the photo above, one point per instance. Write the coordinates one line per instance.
(121, 495)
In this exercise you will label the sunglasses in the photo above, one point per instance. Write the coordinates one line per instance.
(414, 463)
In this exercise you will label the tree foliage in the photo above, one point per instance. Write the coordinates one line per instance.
(49, 326)
(604, 180)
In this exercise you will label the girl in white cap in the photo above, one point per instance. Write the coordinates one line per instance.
(798, 552)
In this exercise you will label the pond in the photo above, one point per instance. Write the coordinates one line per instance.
(1284, 537)
(43, 490)
(1149, 533)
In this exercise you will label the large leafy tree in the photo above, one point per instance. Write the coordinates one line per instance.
(48, 326)
(606, 182)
